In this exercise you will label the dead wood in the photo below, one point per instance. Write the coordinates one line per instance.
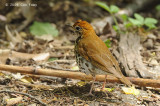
(130, 58)
(77, 75)
(6, 53)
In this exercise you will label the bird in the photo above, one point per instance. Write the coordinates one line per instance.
(93, 56)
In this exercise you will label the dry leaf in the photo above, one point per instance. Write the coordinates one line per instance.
(131, 90)
(13, 101)
(75, 68)
(26, 79)
(81, 83)
(41, 57)
(17, 76)
(4, 54)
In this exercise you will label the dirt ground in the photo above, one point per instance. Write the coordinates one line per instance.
(19, 47)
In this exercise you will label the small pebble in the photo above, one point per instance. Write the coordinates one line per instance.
(149, 43)
(154, 62)
(151, 36)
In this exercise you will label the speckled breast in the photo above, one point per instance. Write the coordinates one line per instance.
(84, 65)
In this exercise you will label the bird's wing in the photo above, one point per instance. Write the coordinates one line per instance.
(100, 56)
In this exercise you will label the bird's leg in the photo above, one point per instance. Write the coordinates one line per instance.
(90, 92)
(104, 82)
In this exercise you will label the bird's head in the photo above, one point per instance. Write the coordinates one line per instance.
(83, 28)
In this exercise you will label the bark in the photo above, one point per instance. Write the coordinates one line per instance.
(130, 58)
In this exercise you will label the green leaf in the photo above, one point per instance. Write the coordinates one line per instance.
(103, 5)
(115, 27)
(150, 22)
(158, 7)
(139, 18)
(108, 43)
(114, 9)
(135, 22)
(109, 89)
(41, 28)
(52, 59)
(152, 26)
(128, 25)
(124, 17)
(20, 104)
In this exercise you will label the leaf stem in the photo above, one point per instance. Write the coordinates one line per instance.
(114, 18)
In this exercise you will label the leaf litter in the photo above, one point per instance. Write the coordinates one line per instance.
(26, 50)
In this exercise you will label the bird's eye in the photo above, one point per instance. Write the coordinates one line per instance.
(77, 28)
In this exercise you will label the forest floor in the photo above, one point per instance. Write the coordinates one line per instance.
(19, 47)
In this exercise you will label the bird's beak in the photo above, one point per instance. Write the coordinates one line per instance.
(70, 27)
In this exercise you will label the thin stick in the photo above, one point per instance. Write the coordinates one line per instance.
(78, 75)
(52, 67)
(61, 55)
(64, 47)
(25, 94)
(62, 61)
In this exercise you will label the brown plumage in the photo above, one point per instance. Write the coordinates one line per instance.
(93, 56)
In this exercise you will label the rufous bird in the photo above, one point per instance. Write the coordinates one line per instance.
(92, 55)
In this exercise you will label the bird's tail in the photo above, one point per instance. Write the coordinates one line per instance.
(125, 80)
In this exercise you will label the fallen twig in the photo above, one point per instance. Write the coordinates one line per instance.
(78, 75)
(64, 47)
(56, 68)
(61, 55)
(62, 61)
(40, 86)
(25, 94)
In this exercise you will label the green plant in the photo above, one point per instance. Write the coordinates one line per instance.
(124, 18)
(108, 43)
(158, 7)
(41, 28)
(112, 10)
(140, 21)
(52, 59)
